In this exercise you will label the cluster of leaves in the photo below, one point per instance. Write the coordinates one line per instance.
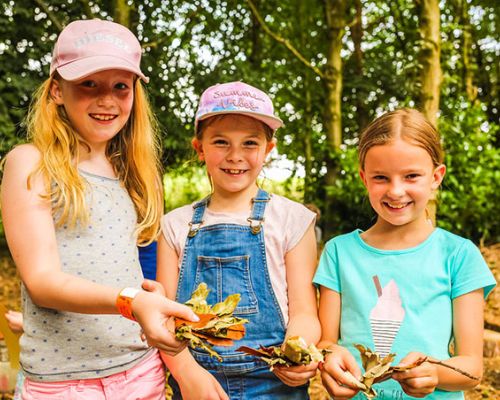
(378, 369)
(217, 325)
(294, 352)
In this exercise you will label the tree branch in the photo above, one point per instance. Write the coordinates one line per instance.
(50, 14)
(283, 41)
(456, 369)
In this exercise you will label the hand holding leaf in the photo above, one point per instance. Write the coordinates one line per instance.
(294, 352)
(217, 325)
(378, 369)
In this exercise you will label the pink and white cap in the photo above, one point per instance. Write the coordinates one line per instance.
(85, 47)
(237, 98)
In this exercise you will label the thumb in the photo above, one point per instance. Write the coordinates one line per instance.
(180, 310)
(153, 287)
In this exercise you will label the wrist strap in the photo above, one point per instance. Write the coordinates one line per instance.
(124, 302)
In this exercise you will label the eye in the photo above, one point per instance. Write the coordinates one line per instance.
(121, 86)
(380, 178)
(88, 83)
(251, 143)
(220, 142)
(412, 176)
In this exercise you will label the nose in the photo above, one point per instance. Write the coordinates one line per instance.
(234, 154)
(396, 189)
(104, 97)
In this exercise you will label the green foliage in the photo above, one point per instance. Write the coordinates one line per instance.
(470, 200)
(190, 183)
(190, 45)
(185, 185)
(350, 202)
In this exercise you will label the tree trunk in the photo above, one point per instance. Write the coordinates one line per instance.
(430, 53)
(303, 25)
(121, 12)
(357, 38)
(335, 21)
(468, 65)
(335, 13)
(309, 190)
(431, 76)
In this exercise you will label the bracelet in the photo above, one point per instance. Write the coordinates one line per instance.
(124, 302)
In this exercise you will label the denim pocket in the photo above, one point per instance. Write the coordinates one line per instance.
(225, 276)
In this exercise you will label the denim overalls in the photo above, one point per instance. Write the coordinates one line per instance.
(231, 258)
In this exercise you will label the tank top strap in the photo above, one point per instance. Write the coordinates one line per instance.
(259, 203)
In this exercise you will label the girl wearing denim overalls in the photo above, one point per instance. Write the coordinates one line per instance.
(241, 239)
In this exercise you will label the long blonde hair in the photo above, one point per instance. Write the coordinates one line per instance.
(134, 154)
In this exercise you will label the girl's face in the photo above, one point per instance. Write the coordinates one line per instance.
(98, 105)
(234, 149)
(400, 178)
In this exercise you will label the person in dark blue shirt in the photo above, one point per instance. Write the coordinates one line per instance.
(147, 259)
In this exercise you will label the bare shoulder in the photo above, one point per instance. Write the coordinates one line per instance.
(22, 158)
(24, 154)
(20, 162)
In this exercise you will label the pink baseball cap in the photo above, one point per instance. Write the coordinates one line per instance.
(88, 46)
(237, 98)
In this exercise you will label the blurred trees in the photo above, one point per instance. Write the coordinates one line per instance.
(331, 66)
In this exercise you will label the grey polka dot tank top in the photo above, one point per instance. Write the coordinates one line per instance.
(59, 345)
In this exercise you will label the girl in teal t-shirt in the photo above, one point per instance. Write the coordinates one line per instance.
(403, 286)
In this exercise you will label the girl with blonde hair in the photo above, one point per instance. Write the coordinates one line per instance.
(75, 203)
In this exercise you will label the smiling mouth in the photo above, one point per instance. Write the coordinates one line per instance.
(234, 171)
(103, 117)
(397, 206)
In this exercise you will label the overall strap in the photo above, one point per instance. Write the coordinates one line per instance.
(197, 220)
(259, 203)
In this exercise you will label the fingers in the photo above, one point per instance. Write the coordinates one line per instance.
(297, 375)
(153, 287)
(419, 381)
(14, 320)
(167, 343)
(335, 389)
(341, 376)
(181, 311)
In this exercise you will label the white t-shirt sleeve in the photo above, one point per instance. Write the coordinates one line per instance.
(175, 227)
(297, 220)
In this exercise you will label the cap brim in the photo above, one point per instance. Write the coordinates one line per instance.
(273, 122)
(87, 66)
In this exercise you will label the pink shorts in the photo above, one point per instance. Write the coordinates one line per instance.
(145, 381)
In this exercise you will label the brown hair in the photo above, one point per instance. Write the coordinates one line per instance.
(205, 123)
(406, 124)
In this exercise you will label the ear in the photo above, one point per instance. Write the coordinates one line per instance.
(362, 175)
(437, 176)
(199, 148)
(56, 92)
(270, 145)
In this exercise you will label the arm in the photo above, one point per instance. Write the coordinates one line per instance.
(340, 361)
(195, 382)
(30, 233)
(468, 332)
(302, 304)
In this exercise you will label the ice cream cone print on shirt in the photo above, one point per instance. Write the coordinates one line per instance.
(386, 316)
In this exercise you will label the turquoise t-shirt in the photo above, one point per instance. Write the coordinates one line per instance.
(400, 301)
